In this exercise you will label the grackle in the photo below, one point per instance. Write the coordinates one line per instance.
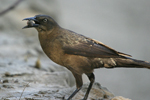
(78, 53)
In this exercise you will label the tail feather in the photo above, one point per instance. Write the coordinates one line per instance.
(131, 63)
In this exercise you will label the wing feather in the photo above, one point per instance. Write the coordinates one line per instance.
(91, 48)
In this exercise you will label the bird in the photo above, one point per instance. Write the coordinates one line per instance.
(78, 53)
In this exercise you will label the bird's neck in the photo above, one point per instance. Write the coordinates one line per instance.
(45, 37)
(46, 34)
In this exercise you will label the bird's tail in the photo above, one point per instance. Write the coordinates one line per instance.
(131, 63)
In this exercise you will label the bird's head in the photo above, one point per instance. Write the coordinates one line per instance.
(41, 23)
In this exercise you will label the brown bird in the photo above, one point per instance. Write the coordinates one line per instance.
(78, 53)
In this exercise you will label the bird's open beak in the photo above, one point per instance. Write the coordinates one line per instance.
(32, 22)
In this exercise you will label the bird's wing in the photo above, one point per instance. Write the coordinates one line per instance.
(92, 48)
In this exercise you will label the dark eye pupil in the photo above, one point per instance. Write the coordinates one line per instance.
(44, 20)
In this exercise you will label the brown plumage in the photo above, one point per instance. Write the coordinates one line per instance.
(78, 53)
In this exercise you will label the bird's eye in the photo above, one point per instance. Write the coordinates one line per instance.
(45, 20)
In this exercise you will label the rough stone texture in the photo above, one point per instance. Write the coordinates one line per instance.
(120, 98)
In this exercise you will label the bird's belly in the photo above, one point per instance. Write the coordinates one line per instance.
(77, 64)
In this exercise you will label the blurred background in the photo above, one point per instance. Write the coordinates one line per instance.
(121, 24)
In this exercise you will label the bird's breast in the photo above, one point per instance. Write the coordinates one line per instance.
(53, 49)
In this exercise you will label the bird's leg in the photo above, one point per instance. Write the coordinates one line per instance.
(79, 84)
(92, 79)
(72, 95)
